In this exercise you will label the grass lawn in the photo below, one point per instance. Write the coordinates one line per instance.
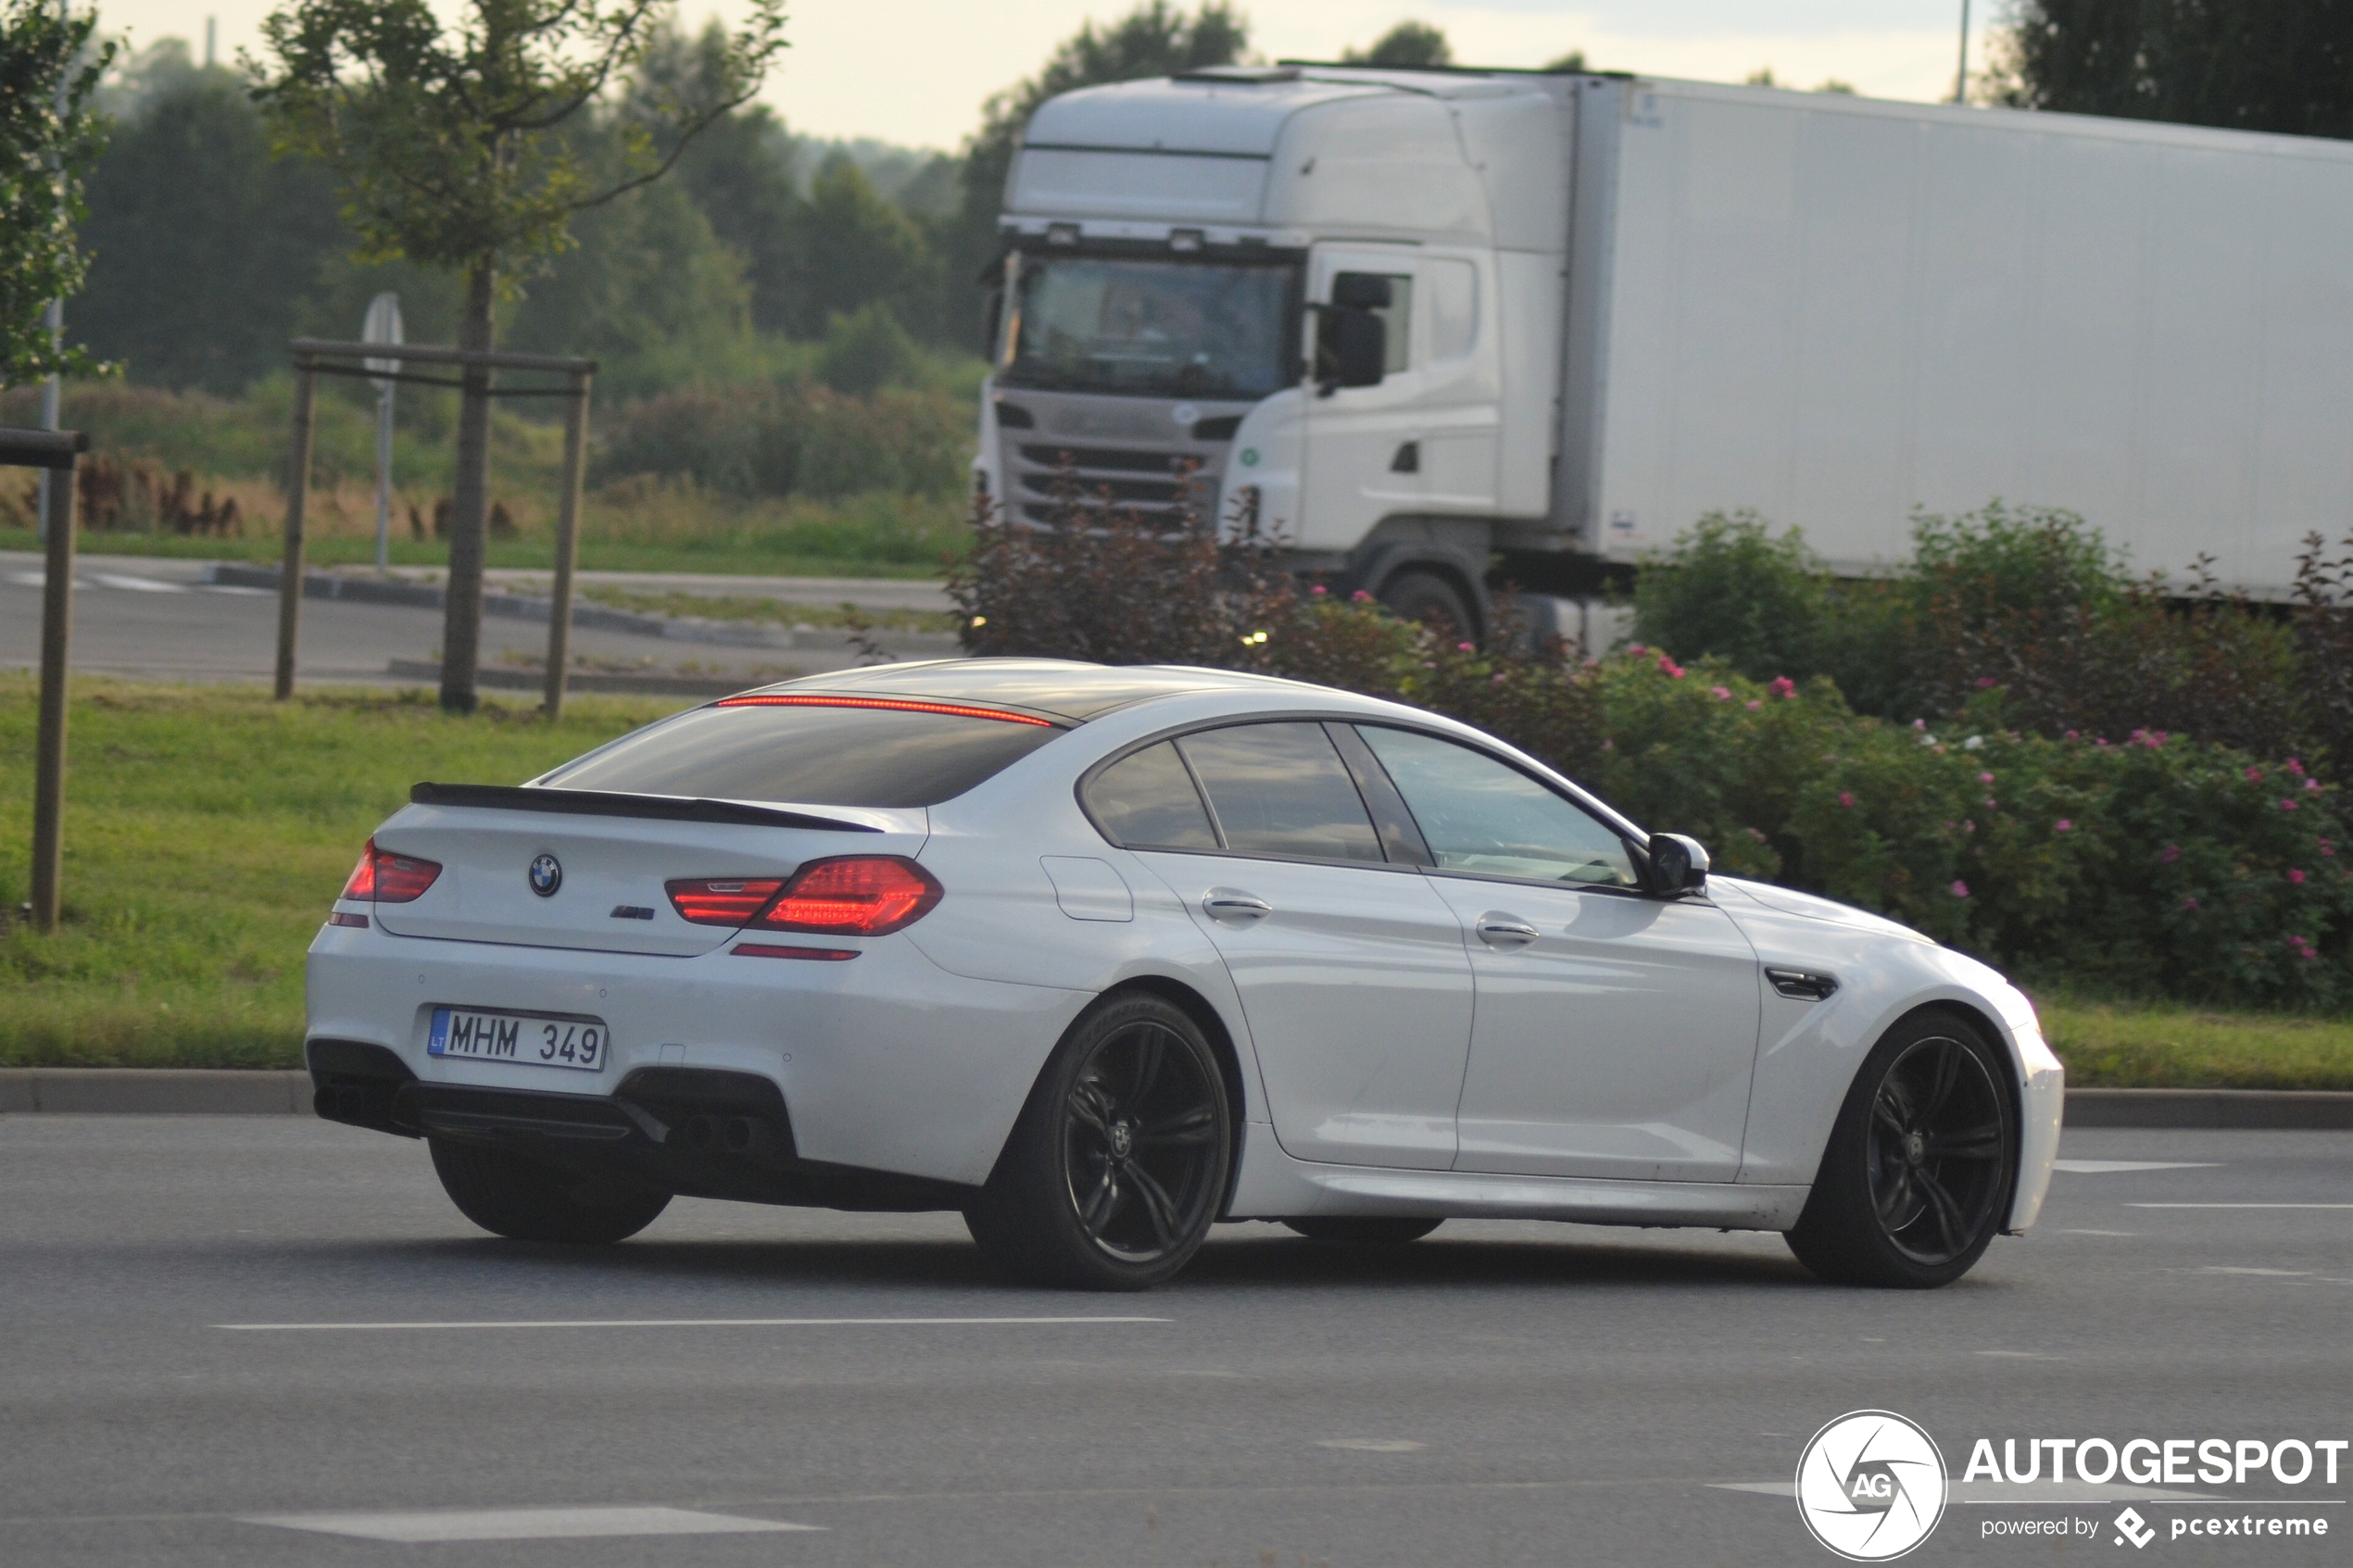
(209, 828)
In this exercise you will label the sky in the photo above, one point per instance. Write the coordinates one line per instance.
(916, 71)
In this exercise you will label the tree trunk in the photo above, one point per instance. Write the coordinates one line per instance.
(462, 623)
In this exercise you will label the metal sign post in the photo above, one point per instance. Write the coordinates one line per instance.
(384, 326)
(55, 453)
(385, 364)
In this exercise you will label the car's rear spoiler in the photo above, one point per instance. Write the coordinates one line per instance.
(607, 803)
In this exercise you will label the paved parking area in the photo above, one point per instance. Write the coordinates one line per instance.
(270, 1340)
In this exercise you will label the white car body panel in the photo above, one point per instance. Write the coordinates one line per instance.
(1712, 1104)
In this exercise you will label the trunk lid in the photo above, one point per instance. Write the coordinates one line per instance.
(609, 896)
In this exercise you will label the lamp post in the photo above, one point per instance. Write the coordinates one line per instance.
(1961, 77)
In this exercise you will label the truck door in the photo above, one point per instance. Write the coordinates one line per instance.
(1423, 441)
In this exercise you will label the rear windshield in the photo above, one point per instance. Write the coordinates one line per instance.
(807, 756)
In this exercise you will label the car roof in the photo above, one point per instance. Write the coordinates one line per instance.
(1060, 688)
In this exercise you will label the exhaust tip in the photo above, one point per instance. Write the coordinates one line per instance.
(741, 1134)
(700, 1133)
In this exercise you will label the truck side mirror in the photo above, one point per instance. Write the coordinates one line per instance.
(1678, 865)
(1352, 346)
(1363, 290)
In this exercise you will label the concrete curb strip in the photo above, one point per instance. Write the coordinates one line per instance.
(120, 1091)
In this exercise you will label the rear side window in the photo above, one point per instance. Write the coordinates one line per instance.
(1281, 789)
(810, 755)
(1147, 801)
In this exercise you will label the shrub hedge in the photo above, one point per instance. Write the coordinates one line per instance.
(2146, 861)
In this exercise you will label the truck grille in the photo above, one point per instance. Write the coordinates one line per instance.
(1150, 483)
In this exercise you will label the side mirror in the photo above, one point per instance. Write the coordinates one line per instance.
(1363, 290)
(1351, 346)
(1678, 865)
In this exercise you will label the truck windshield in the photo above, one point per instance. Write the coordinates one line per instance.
(1178, 329)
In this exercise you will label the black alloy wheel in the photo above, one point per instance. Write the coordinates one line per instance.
(1117, 1168)
(1916, 1180)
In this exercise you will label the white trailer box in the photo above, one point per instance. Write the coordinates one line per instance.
(1616, 304)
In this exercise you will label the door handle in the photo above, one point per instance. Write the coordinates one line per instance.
(1506, 931)
(1232, 904)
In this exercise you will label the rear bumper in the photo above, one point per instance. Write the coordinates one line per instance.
(889, 1064)
(697, 1131)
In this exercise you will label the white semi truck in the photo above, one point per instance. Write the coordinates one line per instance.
(1415, 320)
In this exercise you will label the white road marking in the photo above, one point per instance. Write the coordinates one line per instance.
(677, 1323)
(523, 1524)
(2112, 1167)
(2239, 1206)
(237, 588)
(139, 585)
(2271, 1274)
(2022, 1492)
(1373, 1445)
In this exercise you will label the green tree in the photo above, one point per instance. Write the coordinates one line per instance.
(1155, 39)
(856, 249)
(202, 246)
(1407, 45)
(49, 137)
(2251, 65)
(453, 144)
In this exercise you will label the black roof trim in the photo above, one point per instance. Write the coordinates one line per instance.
(609, 803)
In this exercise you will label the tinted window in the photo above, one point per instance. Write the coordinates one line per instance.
(1479, 815)
(1147, 801)
(807, 756)
(1280, 789)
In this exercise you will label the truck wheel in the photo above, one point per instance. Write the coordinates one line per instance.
(1364, 1230)
(1116, 1168)
(1916, 1182)
(522, 1201)
(1425, 597)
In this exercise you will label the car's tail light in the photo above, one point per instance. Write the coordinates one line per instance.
(854, 895)
(384, 877)
(723, 901)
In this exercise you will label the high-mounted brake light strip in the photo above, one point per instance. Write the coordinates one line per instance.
(890, 704)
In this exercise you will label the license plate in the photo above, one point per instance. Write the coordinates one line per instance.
(529, 1039)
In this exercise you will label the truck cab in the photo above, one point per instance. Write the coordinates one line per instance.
(1299, 292)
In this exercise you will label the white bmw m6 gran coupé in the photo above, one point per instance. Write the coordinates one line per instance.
(1100, 957)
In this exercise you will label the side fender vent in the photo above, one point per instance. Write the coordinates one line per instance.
(1800, 985)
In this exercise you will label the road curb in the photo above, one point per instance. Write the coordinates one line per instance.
(161, 1091)
(131, 1091)
(2272, 1109)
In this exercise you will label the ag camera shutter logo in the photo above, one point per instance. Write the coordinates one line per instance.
(1870, 1486)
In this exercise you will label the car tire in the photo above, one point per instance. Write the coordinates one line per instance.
(522, 1201)
(1364, 1230)
(1117, 1166)
(1433, 600)
(1916, 1180)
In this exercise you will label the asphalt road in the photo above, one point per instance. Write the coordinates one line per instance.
(159, 619)
(1499, 1393)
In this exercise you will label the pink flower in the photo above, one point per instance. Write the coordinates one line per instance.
(2254, 776)
(1920, 723)
(2063, 825)
(1609, 745)
(1360, 597)
(1754, 704)
(2295, 876)
(1318, 589)
(2311, 784)
(1984, 778)
(1636, 649)
(2189, 904)
(2102, 741)
(1783, 686)
(1721, 693)
(1983, 681)
(1845, 798)
(1464, 648)
(2296, 767)
(2287, 805)
(1969, 825)
(1960, 889)
(1673, 671)
(1992, 804)
(2303, 949)
(2169, 854)
(2074, 734)
(1499, 677)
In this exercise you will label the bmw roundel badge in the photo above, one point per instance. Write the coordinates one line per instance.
(547, 875)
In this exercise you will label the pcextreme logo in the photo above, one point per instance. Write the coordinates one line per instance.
(1870, 1486)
